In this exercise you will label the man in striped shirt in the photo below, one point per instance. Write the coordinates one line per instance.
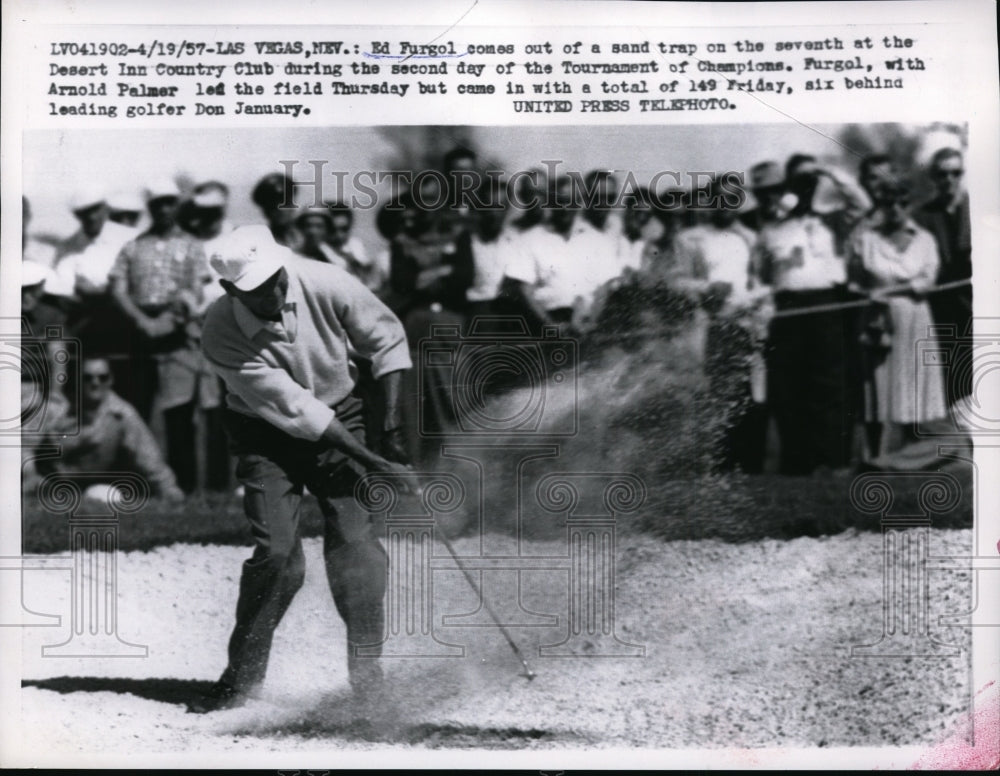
(280, 340)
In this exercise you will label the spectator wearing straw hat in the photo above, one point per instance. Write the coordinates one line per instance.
(39, 309)
(158, 281)
(808, 361)
(767, 184)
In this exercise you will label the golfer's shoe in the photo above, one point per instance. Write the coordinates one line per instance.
(221, 696)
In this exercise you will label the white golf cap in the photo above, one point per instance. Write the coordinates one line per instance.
(315, 211)
(125, 199)
(86, 197)
(162, 188)
(248, 256)
(33, 273)
(212, 197)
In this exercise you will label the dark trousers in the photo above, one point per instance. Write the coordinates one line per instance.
(430, 408)
(178, 424)
(273, 467)
(954, 308)
(807, 386)
(197, 459)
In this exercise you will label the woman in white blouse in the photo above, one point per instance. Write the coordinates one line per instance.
(896, 262)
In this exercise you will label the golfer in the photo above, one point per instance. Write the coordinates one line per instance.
(280, 339)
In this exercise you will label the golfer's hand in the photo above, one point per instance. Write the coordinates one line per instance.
(408, 481)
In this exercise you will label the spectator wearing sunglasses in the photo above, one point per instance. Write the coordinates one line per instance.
(112, 437)
(946, 216)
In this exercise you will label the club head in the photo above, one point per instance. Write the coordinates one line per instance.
(528, 674)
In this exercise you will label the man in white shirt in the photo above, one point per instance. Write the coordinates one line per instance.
(82, 270)
(84, 261)
(493, 247)
(637, 218)
(557, 268)
(809, 391)
(602, 222)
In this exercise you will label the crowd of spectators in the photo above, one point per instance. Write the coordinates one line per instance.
(816, 289)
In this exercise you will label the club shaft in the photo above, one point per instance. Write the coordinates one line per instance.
(486, 605)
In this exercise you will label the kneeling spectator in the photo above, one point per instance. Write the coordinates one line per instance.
(112, 437)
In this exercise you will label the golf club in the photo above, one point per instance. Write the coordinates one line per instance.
(528, 673)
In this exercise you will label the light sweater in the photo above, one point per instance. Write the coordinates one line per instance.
(292, 373)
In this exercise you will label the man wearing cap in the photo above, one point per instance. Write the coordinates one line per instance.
(39, 309)
(810, 340)
(281, 340)
(767, 182)
(204, 217)
(157, 281)
(125, 207)
(84, 260)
